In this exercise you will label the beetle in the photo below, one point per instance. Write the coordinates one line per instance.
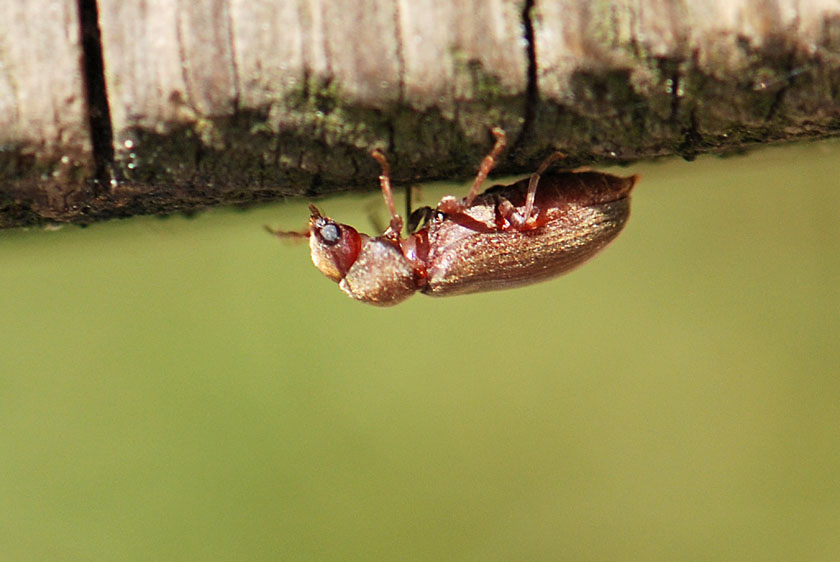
(507, 236)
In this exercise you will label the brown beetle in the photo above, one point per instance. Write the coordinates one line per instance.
(508, 236)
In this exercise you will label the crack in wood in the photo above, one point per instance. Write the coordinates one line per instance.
(98, 110)
(398, 32)
(532, 93)
(234, 67)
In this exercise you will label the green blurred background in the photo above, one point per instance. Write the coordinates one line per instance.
(193, 389)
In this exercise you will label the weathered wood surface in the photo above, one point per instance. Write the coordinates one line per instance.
(234, 101)
(45, 147)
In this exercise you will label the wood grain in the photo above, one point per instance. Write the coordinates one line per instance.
(44, 138)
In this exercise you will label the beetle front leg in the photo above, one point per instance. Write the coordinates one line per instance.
(396, 225)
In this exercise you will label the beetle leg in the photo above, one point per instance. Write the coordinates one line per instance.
(507, 217)
(410, 193)
(372, 212)
(487, 164)
(421, 215)
(395, 228)
(451, 205)
(506, 214)
(532, 184)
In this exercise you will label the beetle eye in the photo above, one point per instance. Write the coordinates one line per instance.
(330, 233)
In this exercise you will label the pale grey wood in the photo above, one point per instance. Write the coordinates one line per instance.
(42, 101)
(192, 61)
(166, 62)
(751, 61)
(438, 38)
(272, 49)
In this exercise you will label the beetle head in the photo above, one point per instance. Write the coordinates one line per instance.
(334, 246)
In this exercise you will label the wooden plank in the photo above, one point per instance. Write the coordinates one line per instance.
(439, 38)
(467, 63)
(272, 91)
(642, 79)
(166, 62)
(45, 148)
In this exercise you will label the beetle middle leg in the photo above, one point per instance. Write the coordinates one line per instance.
(451, 205)
(487, 165)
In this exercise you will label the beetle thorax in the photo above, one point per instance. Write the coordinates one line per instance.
(381, 274)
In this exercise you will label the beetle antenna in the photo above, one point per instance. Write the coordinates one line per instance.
(289, 234)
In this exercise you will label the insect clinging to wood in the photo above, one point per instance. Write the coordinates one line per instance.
(507, 236)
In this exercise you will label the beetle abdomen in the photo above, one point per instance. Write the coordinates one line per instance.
(468, 261)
